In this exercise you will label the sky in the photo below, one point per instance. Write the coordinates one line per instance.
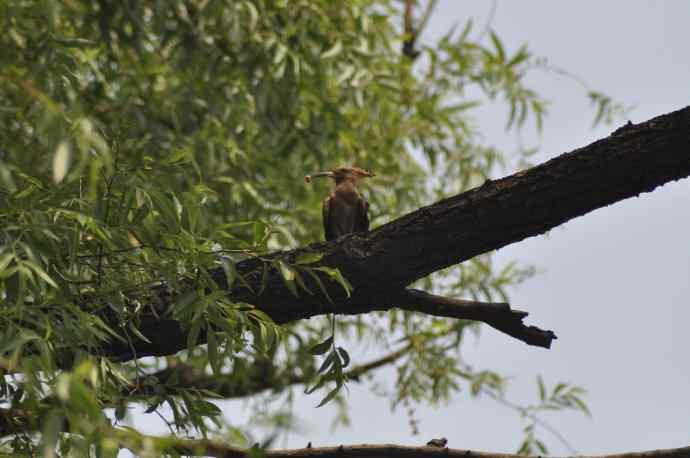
(613, 284)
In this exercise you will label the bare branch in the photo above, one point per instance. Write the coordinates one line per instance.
(261, 377)
(426, 16)
(209, 448)
(498, 315)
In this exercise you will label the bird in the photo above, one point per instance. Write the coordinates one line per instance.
(441, 442)
(344, 211)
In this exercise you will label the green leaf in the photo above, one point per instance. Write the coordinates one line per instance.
(286, 271)
(519, 57)
(330, 359)
(323, 347)
(333, 50)
(499, 47)
(61, 160)
(120, 410)
(139, 214)
(184, 304)
(5, 261)
(329, 397)
(320, 382)
(321, 285)
(300, 281)
(213, 358)
(264, 278)
(193, 336)
(260, 233)
(542, 389)
(52, 427)
(582, 406)
(253, 14)
(137, 333)
(41, 273)
(288, 275)
(560, 387)
(344, 356)
(308, 258)
(338, 277)
(230, 271)
(166, 207)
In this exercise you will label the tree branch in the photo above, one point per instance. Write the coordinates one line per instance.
(410, 35)
(498, 315)
(634, 159)
(260, 378)
(213, 449)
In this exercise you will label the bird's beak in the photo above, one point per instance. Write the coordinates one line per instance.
(308, 178)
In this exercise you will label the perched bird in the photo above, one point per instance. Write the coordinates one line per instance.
(344, 210)
(441, 443)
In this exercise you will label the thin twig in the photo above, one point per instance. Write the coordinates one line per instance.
(489, 21)
(532, 416)
(426, 16)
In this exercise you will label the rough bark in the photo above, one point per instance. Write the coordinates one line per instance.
(632, 160)
(390, 451)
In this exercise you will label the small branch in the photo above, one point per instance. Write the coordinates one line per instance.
(184, 376)
(410, 37)
(426, 16)
(532, 416)
(498, 315)
(358, 371)
(412, 33)
(263, 377)
(489, 20)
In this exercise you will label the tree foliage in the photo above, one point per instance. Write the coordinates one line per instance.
(145, 143)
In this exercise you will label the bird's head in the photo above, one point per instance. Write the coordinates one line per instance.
(341, 174)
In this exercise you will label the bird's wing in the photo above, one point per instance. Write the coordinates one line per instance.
(326, 215)
(363, 217)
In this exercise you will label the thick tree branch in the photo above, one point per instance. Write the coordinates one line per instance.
(15, 421)
(634, 159)
(209, 448)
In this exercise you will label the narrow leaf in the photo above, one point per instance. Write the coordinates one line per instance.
(321, 348)
(61, 160)
(344, 356)
(333, 51)
(308, 258)
(329, 397)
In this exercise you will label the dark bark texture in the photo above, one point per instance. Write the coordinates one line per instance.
(632, 160)
(393, 451)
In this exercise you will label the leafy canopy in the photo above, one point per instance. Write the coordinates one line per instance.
(145, 143)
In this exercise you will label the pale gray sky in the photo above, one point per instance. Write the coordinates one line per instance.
(614, 284)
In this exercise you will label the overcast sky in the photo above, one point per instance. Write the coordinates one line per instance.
(613, 285)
